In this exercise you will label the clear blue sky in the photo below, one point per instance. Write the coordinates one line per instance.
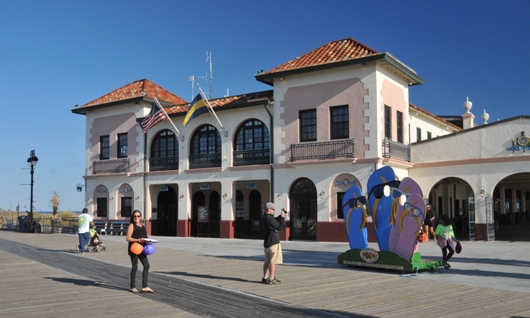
(56, 54)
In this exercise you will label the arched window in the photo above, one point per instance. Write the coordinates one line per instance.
(125, 200)
(252, 144)
(101, 197)
(164, 152)
(205, 148)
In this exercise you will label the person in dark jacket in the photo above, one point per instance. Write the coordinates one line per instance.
(428, 222)
(270, 226)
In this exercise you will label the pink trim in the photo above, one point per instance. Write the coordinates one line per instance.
(464, 162)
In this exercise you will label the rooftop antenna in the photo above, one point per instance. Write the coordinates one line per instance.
(192, 80)
(209, 59)
(210, 76)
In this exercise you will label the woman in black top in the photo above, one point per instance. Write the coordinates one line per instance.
(136, 233)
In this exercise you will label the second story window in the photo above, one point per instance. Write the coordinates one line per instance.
(122, 145)
(253, 135)
(104, 147)
(429, 135)
(399, 123)
(165, 145)
(164, 152)
(308, 125)
(205, 148)
(340, 125)
(418, 134)
(252, 143)
(206, 141)
(388, 122)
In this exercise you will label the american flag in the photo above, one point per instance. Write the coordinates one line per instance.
(155, 116)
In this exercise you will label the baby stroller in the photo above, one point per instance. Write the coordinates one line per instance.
(95, 244)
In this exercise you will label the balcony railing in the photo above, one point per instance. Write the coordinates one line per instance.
(393, 149)
(111, 166)
(165, 163)
(205, 161)
(323, 150)
(252, 157)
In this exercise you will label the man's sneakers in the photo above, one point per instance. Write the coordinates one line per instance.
(269, 281)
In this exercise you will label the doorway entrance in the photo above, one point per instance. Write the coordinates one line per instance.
(167, 213)
(206, 219)
(303, 210)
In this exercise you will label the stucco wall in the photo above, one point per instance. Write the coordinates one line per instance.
(321, 97)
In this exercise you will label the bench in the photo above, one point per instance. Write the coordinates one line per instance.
(118, 227)
(101, 227)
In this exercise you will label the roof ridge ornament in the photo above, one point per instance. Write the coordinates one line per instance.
(485, 117)
(467, 105)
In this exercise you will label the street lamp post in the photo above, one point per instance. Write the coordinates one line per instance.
(32, 162)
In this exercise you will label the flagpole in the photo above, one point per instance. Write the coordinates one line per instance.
(162, 109)
(210, 108)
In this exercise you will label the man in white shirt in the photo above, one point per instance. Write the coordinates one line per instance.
(84, 223)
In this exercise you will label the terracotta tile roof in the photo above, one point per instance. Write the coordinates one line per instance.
(426, 113)
(230, 101)
(335, 51)
(137, 89)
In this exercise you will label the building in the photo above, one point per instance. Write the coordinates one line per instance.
(333, 116)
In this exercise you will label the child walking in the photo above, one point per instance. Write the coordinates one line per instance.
(446, 239)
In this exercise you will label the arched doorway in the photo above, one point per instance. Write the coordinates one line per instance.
(255, 211)
(454, 197)
(198, 201)
(167, 212)
(511, 208)
(215, 214)
(303, 210)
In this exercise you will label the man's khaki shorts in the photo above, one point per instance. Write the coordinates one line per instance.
(273, 254)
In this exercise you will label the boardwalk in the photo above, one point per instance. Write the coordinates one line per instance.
(42, 276)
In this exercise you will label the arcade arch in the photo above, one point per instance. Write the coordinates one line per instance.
(511, 207)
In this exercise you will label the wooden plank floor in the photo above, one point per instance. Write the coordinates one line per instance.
(32, 288)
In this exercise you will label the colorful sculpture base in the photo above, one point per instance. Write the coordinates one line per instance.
(369, 257)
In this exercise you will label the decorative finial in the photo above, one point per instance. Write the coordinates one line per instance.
(467, 105)
(485, 117)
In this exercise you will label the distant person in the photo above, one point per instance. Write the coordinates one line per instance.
(84, 222)
(136, 233)
(446, 239)
(270, 226)
(428, 222)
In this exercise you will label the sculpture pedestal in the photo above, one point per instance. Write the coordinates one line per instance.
(369, 257)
